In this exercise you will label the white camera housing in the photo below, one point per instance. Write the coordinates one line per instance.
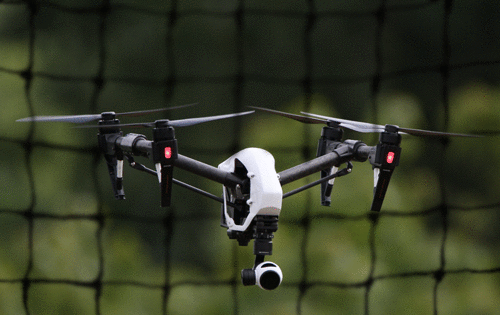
(268, 275)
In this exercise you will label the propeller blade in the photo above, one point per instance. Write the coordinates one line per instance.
(428, 133)
(131, 125)
(304, 119)
(194, 121)
(318, 119)
(174, 123)
(77, 119)
(486, 132)
(82, 119)
(150, 111)
(368, 127)
(351, 124)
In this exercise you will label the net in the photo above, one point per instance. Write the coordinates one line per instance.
(69, 247)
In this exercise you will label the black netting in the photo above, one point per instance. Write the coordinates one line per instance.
(69, 247)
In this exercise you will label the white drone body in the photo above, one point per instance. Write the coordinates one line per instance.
(266, 194)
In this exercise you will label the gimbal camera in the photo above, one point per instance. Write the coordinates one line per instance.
(252, 191)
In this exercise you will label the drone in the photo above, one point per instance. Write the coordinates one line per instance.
(252, 190)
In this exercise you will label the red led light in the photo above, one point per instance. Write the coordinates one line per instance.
(168, 152)
(390, 157)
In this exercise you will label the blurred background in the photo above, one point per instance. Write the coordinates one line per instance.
(68, 247)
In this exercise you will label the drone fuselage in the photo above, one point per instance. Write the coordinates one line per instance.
(265, 195)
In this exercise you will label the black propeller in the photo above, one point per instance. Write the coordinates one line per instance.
(367, 127)
(360, 126)
(487, 132)
(172, 123)
(81, 119)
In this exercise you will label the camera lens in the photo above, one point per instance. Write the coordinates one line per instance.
(270, 280)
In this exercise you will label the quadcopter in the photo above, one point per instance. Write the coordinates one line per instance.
(252, 191)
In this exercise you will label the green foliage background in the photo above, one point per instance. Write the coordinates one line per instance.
(419, 64)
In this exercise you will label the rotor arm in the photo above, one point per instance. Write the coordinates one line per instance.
(361, 151)
(349, 150)
(343, 153)
(138, 145)
(209, 172)
(135, 144)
